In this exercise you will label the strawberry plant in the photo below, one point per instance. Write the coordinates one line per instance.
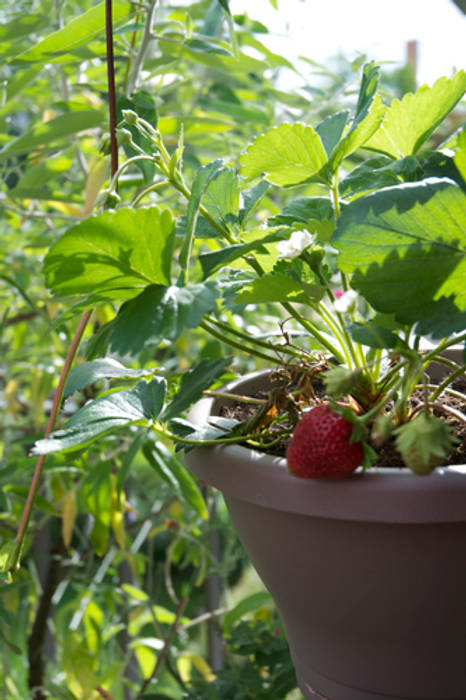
(214, 226)
(355, 270)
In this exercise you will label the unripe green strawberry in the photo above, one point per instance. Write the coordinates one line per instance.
(424, 442)
(321, 445)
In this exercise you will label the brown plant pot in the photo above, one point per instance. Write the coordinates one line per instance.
(368, 572)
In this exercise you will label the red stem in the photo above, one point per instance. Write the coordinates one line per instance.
(111, 87)
(14, 562)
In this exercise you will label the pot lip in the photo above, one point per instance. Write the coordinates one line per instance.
(380, 494)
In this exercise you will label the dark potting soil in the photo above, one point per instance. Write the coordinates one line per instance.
(388, 455)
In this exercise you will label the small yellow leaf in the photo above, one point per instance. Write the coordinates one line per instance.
(117, 513)
(190, 659)
(68, 514)
(12, 403)
(67, 208)
(97, 175)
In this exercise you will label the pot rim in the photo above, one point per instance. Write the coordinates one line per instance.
(380, 494)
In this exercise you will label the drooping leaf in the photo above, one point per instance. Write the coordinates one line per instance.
(52, 132)
(176, 476)
(203, 176)
(409, 123)
(193, 383)
(405, 247)
(115, 251)
(104, 368)
(77, 33)
(159, 313)
(285, 155)
(142, 404)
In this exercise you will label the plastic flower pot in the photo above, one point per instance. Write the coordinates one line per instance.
(367, 572)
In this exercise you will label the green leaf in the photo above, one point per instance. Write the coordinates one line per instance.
(39, 174)
(22, 25)
(372, 174)
(52, 132)
(236, 111)
(160, 313)
(203, 176)
(315, 214)
(202, 433)
(251, 198)
(77, 33)
(193, 383)
(405, 247)
(331, 129)
(195, 52)
(279, 287)
(285, 155)
(225, 5)
(221, 197)
(176, 476)
(374, 336)
(460, 155)
(211, 262)
(251, 603)
(105, 415)
(409, 123)
(105, 368)
(369, 82)
(118, 250)
(359, 132)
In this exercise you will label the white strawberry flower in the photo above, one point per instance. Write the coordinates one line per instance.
(346, 302)
(293, 247)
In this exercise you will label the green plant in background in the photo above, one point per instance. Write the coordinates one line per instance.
(195, 269)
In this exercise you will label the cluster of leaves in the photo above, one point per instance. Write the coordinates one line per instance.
(125, 522)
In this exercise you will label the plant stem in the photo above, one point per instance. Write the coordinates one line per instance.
(139, 59)
(447, 381)
(260, 343)
(166, 647)
(312, 330)
(239, 346)
(13, 565)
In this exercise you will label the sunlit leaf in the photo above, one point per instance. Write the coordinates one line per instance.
(409, 123)
(77, 33)
(285, 155)
(118, 250)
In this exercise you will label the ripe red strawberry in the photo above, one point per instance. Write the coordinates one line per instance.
(321, 445)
